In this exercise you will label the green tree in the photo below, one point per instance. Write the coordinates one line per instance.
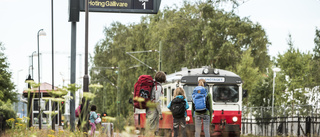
(316, 67)
(192, 36)
(234, 3)
(199, 34)
(7, 95)
(296, 76)
(316, 49)
(250, 76)
(316, 59)
(6, 86)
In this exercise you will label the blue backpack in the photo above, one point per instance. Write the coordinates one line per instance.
(199, 96)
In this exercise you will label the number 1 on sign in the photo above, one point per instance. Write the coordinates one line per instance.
(144, 5)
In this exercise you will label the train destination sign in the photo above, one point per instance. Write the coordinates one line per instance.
(122, 6)
(212, 79)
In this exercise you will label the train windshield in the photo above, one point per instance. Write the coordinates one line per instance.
(225, 93)
(189, 90)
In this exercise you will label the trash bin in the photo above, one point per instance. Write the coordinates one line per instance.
(108, 129)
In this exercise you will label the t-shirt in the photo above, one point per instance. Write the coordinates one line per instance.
(156, 93)
(93, 116)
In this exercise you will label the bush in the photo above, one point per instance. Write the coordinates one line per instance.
(6, 111)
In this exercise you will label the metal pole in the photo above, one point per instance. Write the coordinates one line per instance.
(160, 49)
(86, 77)
(53, 104)
(118, 100)
(261, 122)
(274, 76)
(32, 62)
(298, 125)
(39, 96)
(73, 73)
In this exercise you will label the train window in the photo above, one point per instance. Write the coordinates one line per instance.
(189, 90)
(172, 92)
(165, 92)
(225, 93)
(165, 95)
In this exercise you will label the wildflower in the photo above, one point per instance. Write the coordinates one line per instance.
(73, 87)
(26, 118)
(35, 85)
(95, 86)
(58, 92)
(58, 99)
(46, 98)
(139, 99)
(151, 104)
(67, 97)
(88, 95)
(130, 129)
(50, 112)
(107, 118)
(167, 112)
(163, 98)
(29, 90)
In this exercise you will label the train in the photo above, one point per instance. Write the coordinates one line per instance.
(227, 95)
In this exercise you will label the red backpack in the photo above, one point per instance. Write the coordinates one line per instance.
(143, 88)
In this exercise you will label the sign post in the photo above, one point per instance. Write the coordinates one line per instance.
(115, 6)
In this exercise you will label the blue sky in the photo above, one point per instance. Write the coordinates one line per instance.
(21, 20)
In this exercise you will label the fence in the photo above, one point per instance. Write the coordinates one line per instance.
(305, 121)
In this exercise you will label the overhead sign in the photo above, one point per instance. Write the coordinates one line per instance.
(122, 6)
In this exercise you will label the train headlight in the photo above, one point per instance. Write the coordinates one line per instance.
(187, 118)
(216, 71)
(205, 71)
(235, 119)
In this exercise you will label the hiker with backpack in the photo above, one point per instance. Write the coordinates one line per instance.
(146, 96)
(202, 108)
(178, 107)
(154, 114)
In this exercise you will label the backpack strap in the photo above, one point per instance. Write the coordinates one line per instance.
(155, 84)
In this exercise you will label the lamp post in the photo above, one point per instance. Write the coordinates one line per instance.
(275, 70)
(31, 67)
(29, 80)
(86, 77)
(40, 33)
